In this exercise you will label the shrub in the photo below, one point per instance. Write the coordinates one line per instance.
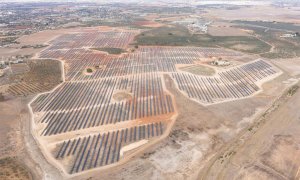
(89, 70)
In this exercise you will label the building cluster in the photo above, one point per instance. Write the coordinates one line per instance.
(17, 19)
(5, 62)
(194, 24)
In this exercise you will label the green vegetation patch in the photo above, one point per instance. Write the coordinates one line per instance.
(110, 50)
(89, 70)
(1, 97)
(180, 36)
(243, 43)
(115, 23)
(271, 24)
(166, 36)
(8, 40)
(293, 90)
(283, 47)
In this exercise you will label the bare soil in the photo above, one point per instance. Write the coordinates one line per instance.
(223, 29)
(243, 47)
(260, 13)
(121, 96)
(199, 70)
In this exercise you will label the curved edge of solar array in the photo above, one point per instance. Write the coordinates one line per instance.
(102, 150)
(236, 83)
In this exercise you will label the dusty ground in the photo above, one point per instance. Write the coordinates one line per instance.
(272, 152)
(14, 157)
(225, 29)
(291, 66)
(243, 47)
(33, 39)
(8, 52)
(121, 96)
(40, 37)
(10, 143)
(198, 70)
(148, 24)
(261, 13)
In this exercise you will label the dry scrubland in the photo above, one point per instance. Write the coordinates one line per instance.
(10, 169)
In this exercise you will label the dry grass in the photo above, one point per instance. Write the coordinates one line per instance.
(199, 70)
(42, 76)
(122, 96)
(12, 169)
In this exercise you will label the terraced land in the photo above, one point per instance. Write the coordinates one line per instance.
(94, 120)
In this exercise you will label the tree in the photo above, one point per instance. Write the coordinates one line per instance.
(89, 70)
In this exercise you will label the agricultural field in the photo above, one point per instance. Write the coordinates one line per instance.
(33, 77)
(121, 103)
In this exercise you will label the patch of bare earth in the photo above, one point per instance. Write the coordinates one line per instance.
(259, 13)
(226, 31)
(243, 47)
(122, 96)
(198, 70)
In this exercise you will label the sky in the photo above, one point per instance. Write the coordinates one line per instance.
(199, 1)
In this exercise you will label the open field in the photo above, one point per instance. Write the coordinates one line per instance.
(198, 70)
(254, 13)
(272, 150)
(225, 29)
